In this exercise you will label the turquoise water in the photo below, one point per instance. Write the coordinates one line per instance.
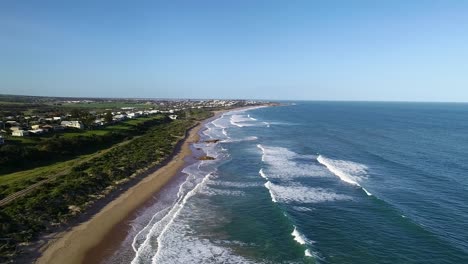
(318, 182)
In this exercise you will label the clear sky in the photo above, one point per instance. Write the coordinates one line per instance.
(311, 50)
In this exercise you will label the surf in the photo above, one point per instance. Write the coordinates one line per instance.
(347, 171)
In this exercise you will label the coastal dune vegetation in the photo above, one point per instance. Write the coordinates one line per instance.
(59, 199)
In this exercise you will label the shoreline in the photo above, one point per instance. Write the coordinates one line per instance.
(92, 240)
(65, 248)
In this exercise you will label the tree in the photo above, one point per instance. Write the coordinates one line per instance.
(108, 117)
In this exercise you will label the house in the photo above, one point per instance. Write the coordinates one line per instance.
(131, 115)
(48, 128)
(173, 117)
(35, 127)
(57, 118)
(20, 133)
(12, 123)
(57, 128)
(15, 128)
(36, 131)
(119, 117)
(75, 124)
(99, 122)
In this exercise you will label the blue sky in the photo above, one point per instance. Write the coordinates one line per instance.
(310, 50)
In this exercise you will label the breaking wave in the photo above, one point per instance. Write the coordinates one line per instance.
(347, 171)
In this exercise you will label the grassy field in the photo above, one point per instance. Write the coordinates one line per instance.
(10, 103)
(107, 105)
(13, 182)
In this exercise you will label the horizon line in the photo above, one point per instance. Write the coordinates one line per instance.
(235, 99)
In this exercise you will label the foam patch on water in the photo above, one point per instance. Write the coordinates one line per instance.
(286, 165)
(232, 184)
(347, 171)
(241, 120)
(206, 190)
(302, 209)
(302, 194)
(302, 240)
(251, 138)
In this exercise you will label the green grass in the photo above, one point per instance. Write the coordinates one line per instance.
(23, 140)
(11, 103)
(13, 182)
(106, 105)
(124, 126)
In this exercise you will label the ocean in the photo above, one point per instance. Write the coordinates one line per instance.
(316, 182)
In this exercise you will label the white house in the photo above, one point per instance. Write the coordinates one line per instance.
(119, 117)
(37, 131)
(12, 123)
(75, 124)
(20, 133)
(173, 117)
(133, 115)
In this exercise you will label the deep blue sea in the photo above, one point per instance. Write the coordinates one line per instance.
(317, 182)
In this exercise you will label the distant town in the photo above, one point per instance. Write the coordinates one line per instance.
(28, 116)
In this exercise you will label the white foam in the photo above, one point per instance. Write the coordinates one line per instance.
(139, 236)
(303, 194)
(220, 192)
(272, 195)
(233, 184)
(347, 171)
(298, 236)
(225, 132)
(367, 192)
(285, 165)
(263, 174)
(301, 239)
(242, 120)
(251, 118)
(250, 138)
(302, 209)
(163, 225)
(146, 248)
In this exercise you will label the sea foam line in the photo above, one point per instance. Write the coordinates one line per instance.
(174, 212)
(184, 201)
(301, 239)
(341, 174)
(272, 195)
(154, 225)
(150, 224)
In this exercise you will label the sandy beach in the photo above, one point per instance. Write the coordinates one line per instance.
(90, 241)
(84, 243)
(72, 246)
